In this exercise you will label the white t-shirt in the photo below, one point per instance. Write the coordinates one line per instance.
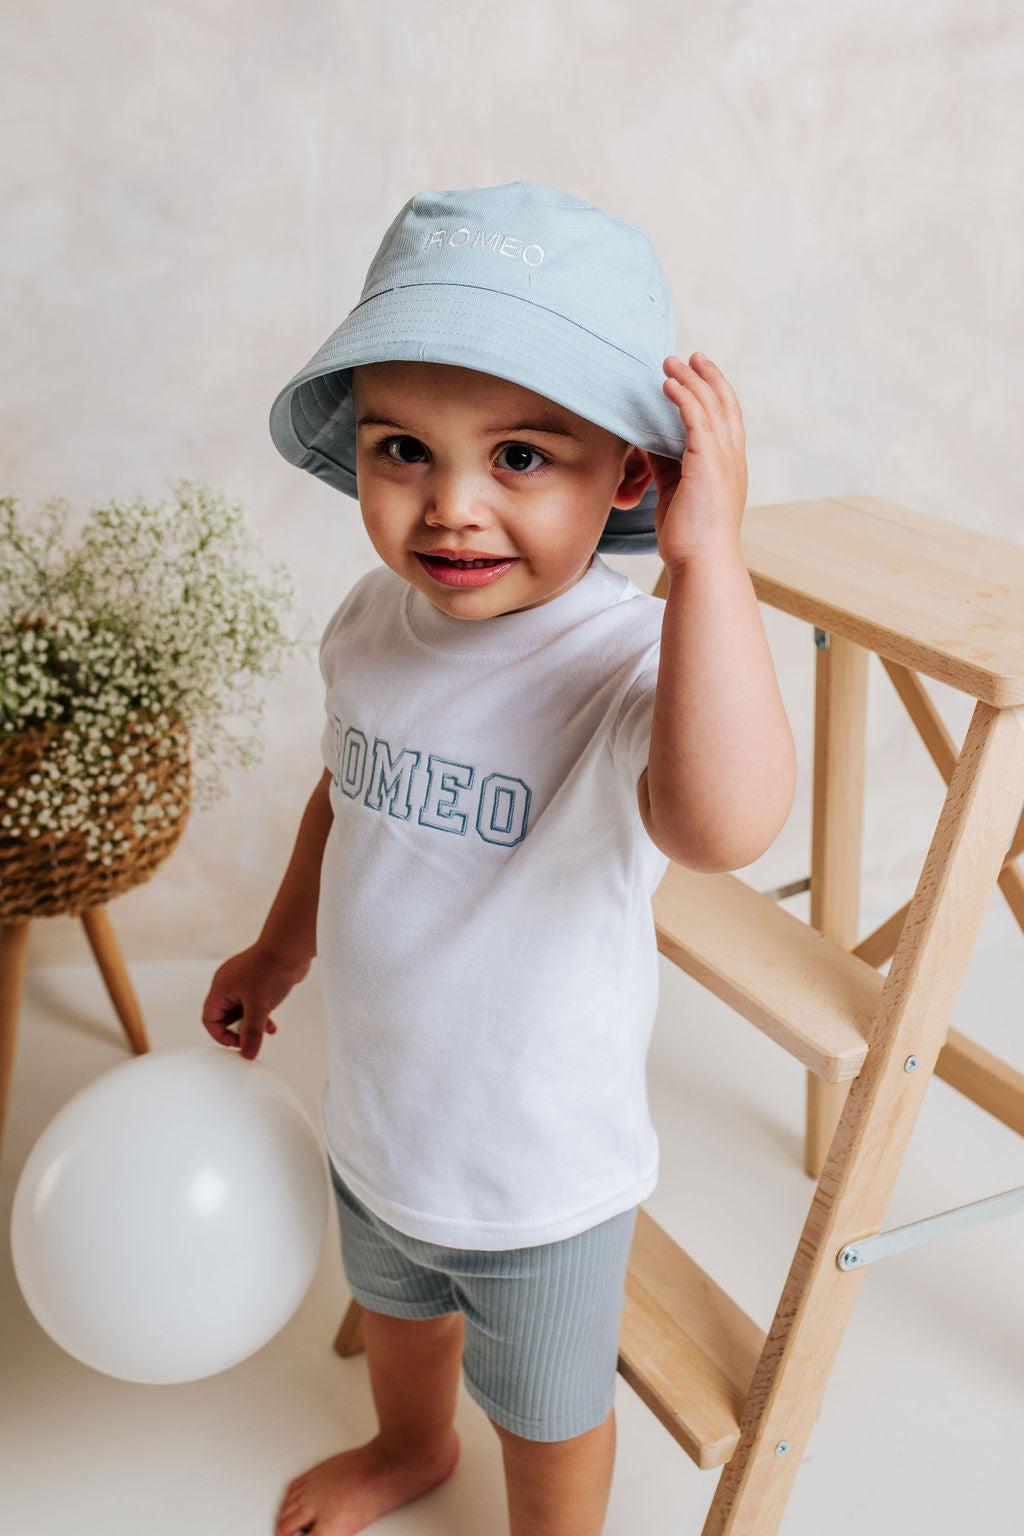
(485, 936)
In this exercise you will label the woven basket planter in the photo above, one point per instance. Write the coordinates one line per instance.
(50, 874)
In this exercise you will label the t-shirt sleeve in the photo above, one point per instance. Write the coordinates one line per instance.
(330, 646)
(329, 746)
(631, 738)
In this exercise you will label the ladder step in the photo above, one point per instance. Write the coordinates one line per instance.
(685, 1346)
(806, 992)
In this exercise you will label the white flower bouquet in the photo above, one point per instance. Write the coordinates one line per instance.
(131, 659)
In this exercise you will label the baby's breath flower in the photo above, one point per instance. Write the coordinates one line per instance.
(147, 637)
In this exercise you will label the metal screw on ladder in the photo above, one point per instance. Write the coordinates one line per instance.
(782, 1448)
(822, 639)
(911, 1064)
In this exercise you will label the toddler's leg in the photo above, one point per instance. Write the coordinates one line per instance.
(414, 1368)
(559, 1487)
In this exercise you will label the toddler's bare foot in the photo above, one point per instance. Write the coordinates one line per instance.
(348, 1492)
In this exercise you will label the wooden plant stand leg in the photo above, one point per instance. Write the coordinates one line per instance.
(960, 871)
(100, 933)
(350, 1335)
(840, 727)
(13, 953)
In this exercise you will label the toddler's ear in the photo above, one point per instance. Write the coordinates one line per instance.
(636, 477)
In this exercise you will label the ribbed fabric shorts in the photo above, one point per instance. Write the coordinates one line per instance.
(541, 1324)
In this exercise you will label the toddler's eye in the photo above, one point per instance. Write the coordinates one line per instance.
(404, 450)
(519, 456)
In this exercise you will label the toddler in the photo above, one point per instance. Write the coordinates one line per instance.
(517, 741)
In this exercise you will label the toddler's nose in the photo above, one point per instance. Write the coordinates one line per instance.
(457, 501)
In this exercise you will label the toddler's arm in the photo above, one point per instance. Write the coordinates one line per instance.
(250, 984)
(721, 772)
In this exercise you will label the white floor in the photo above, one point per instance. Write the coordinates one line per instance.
(922, 1425)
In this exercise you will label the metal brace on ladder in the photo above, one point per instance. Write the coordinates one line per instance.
(794, 888)
(868, 1250)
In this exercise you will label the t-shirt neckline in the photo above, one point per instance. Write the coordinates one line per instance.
(513, 633)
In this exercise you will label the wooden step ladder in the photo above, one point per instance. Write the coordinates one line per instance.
(926, 597)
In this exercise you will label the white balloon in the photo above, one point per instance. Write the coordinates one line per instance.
(170, 1218)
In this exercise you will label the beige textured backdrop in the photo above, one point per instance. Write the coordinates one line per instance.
(192, 192)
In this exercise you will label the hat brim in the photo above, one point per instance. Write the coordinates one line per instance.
(312, 421)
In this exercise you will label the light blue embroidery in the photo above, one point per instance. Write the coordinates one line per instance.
(444, 783)
(352, 762)
(504, 810)
(395, 782)
(392, 780)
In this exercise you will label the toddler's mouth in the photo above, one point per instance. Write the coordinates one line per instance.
(454, 571)
(465, 565)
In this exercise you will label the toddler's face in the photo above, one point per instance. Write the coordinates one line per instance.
(485, 496)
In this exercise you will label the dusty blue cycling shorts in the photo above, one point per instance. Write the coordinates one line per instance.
(541, 1324)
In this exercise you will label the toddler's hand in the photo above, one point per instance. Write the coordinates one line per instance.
(701, 499)
(243, 991)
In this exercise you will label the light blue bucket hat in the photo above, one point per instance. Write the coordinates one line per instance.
(520, 281)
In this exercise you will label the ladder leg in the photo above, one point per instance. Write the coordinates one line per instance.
(13, 954)
(959, 874)
(840, 731)
(103, 942)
